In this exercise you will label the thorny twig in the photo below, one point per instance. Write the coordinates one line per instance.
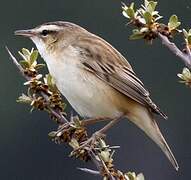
(60, 117)
(185, 57)
(146, 25)
(44, 97)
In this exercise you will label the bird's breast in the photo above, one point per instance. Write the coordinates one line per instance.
(88, 95)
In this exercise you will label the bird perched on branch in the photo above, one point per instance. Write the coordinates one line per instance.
(95, 78)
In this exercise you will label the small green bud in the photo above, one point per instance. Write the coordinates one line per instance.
(173, 23)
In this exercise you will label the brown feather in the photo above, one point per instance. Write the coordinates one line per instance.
(114, 69)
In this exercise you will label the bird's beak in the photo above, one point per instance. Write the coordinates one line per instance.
(26, 33)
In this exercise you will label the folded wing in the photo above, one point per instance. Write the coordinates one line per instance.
(111, 67)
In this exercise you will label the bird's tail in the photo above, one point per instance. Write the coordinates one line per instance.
(145, 121)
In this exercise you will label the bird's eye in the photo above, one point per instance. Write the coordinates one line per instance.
(44, 32)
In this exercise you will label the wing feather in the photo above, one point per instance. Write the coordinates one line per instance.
(110, 66)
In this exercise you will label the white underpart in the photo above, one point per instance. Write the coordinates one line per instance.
(87, 94)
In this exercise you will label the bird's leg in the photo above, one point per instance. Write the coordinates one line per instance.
(99, 134)
(108, 126)
(91, 121)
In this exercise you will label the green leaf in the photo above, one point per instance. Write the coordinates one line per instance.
(131, 175)
(102, 143)
(189, 39)
(22, 55)
(52, 134)
(105, 155)
(74, 143)
(185, 33)
(125, 14)
(148, 17)
(186, 72)
(140, 176)
(159, 17)
(185, 76)
(24, 99)
(136, 36)
(173, 22)
(49, 79)
(132, 5)
(39, 66)
(146, 3)
(24, 64)
(25, 52)
(151, 6)
(144, 29)
(33, 57)
(180, 76)
(130, 12)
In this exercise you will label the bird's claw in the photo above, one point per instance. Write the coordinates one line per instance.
(91, 142)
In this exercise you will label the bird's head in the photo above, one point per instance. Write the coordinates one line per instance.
(53, 36)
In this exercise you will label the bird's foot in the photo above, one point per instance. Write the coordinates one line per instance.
(90, 143)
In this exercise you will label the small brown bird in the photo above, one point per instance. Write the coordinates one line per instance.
(95, 78)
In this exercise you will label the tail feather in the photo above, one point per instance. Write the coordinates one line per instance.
(145, 121)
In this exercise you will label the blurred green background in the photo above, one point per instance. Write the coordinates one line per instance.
(25, 150)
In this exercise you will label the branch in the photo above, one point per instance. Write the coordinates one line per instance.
(17, 64)
(60, 117)
(145, 20)
(146, 25)
(90, 171)
(185, 57)
(45, 96)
